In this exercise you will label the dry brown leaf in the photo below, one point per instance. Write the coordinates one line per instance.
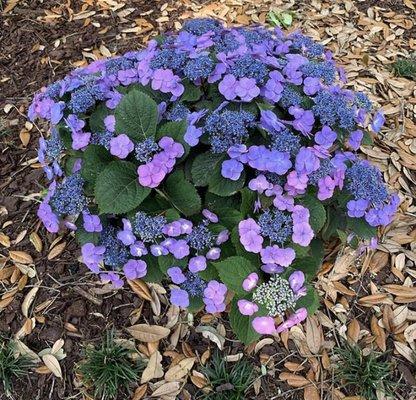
(36, 241)
(179, 371)
(262, 343)
(148, 333)
(311, 393)
(293, 367)
(28, 300)
(140, 392)
(53, 364)
(353, 331)
(199, 381)
(6, 273)
(140, 288)
(314, 335)
(21, 257)
(56, 251)
(4, 240)
(167, 389)
(293, 379)
(405, 351)
(153, 369)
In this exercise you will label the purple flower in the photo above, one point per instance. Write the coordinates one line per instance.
(176, 274)
(325, 137)
(126, 236)
(247, 307)
(273, 89)
(311, 86)
(197, 264)
(296, 282)
(112, 278)
(192, 135)
(357, 208)
(186, 226)
(304, 119)
(272, 268)
(165, 81)
(250, 282)
(138, 249)
(179, 297)
(355, 138)
(172, 229)
(92, 256)
(151, 175)
(210, 216)
(222, 237)
(92, 223)
(276, 255)
(250, 237)
(227, 87)
(158, 250)
(179, 249)
(259, 184)
(306, 161)
(326, 186)
(302, 234)
(378, 121)
(48, 218)
(214, 296)
(213, 254)
(264, 325)
(110, 123)
(247, 89)
(80, 139)
(231, 169)
(135, 269)
(296, 318)
(121, 146)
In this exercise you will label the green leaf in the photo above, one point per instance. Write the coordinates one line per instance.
(335, 221)
(165, 262)
(195, 304)
(310, 301)
(229, 217)
(361, 228)
(222, 186)
(233, 270)
(96, 120)
(136, 115)
(192, 93)
(241, 325)
(117, 190)
(210, 273)
(154, 273)
(308, 265)
(172, 215)
(95, 159)
(248, 198)
(82, 236)
(316, 210)
(202, 165)
(182, 194)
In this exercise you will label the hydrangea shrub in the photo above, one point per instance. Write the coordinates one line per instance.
(217, 161)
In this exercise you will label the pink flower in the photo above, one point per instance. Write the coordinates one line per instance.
(296, 318)
(247, 307)
(264, 325)
(302, 234)
(276, 255)
(250, 282)
(250, 237)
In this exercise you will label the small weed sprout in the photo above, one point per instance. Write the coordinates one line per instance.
(229, 382)
(109, 368)
(365, 373)
(405, 67)
(12, 366)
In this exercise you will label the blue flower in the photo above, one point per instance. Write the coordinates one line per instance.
(69, 198)
(248, 67)
(168, 59)
(285, 141)
(276, 225)
(148, 228)
(116, 253)
(199, 26)
(197, 68)
(144, 150)
(324, 70)
(200, 238)
(194, 285)
(178, 112)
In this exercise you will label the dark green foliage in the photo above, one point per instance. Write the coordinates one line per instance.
(11, 367)
(363, 373)
(109, 368)
(228, 381)
(405, 67)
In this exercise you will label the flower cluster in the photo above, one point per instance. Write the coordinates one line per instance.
(216, 161)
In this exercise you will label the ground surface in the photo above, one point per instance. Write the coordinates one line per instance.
(46, 295)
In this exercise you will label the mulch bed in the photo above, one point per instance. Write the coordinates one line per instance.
(42, 40)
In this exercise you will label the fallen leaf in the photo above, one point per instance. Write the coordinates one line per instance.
(28, 300)
(148, 333)
(314, 335)
(53, 364)
(211, 333)
(180, 370)
(153, 369)
(140, 392)
(293, 379)
(167, 389)
(21, 257)
(140, 288)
